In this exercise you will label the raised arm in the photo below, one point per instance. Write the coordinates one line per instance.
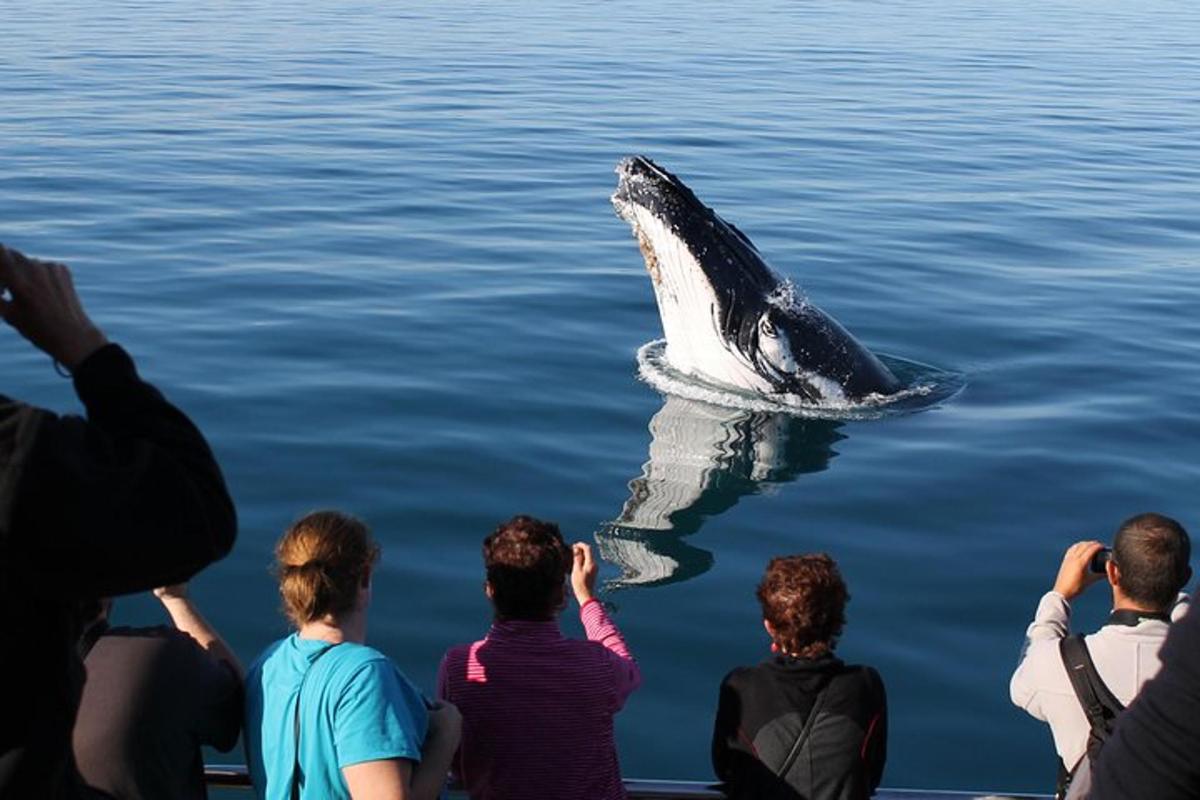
(128, 499)
(42, 305)
(1051, 622)
(207, 671)
(188, 619)
(1054, 611)
(598, 626)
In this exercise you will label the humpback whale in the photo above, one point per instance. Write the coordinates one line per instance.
(725, 313)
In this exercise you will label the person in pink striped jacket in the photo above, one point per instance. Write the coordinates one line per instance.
(538, 707)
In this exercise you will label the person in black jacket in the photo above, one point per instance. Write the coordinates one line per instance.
(125, 500)
(801, 725)
(1152, 749)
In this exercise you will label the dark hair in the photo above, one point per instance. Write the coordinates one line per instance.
(804, 599)
(321, 561)
(526, 561)
(1152, 553)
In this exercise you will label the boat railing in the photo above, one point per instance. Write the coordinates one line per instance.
(235, 776)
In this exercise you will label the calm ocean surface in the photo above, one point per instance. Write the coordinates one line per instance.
(369, 248)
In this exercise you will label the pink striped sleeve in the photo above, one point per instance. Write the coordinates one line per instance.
(600, 628)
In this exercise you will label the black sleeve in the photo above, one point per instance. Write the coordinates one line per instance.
(1152, 751)
(128, 499)
(875, 745)
(734, 761)
(725, 730)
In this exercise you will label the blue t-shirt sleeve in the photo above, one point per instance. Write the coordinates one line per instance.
(379, 715)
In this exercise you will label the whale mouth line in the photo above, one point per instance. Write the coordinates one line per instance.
(924, 387)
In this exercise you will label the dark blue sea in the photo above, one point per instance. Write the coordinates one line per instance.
(369, 248)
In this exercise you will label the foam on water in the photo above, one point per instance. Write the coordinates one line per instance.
(925, 386)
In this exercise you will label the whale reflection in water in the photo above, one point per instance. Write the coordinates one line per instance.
(703, 459)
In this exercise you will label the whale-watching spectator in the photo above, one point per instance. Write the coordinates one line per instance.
(1152, 749)
(153, 697)
(1146, 572)
(125, 500)
(801, 724)
(538, 707)
(328, 717)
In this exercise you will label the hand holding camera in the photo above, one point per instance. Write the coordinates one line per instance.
(38, 299)
(1078, 570)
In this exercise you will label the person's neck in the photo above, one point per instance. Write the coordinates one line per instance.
(1121, 602)
(352, 628)
(816, 656)
(499, 620)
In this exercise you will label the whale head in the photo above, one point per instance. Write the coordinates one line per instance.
(725, 314)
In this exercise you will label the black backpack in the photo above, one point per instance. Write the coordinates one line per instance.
(1099, 704)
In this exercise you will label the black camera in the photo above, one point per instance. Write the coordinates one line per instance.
(1102, 557)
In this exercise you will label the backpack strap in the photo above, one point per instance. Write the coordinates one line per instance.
(295, 793)
(802, 737)
(1099, 704)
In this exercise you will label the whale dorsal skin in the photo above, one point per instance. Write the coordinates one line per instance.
(726, 315)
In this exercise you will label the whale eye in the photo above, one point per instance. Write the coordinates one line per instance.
(774, 349)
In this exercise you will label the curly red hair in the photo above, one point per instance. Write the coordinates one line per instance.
(804, 598)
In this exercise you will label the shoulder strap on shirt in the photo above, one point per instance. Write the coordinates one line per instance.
(295, 795)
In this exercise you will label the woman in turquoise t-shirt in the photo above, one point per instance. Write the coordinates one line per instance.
(361, 729)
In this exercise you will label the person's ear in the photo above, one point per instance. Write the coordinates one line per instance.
(770, 629)
(1113, 572)
(488, 590)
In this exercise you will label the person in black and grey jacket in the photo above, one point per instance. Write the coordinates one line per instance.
(801, 724)
(128, 499)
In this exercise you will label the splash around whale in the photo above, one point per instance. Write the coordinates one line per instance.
(728, 318)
